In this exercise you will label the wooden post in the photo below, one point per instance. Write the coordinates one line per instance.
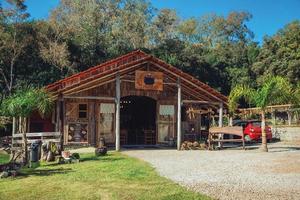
(57, 124)
(220, 123)
(289, 113)
(58, 127)
(92, 121)
(230, 121)
(13, 130)
(64, 128)
(118, 96)
(273, 115)
(179, 136)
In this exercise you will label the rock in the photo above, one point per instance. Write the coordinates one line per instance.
(13, 173)
(101, 151)
(4, 174)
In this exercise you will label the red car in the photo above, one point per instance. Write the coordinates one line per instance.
(252, 130)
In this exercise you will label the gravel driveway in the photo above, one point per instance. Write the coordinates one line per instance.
(231, 174)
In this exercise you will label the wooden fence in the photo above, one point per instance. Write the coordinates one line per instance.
(43, 137)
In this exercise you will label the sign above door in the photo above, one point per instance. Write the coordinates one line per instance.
(148, 80)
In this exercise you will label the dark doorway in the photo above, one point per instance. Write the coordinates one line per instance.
(138, 116)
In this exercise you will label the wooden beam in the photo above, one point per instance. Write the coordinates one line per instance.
(191, 83)
(90, 97)
(92, 82)
(133, 81)
(118, 96)
(91, 87)
(179, 115)
(200, 102)
(191, 92)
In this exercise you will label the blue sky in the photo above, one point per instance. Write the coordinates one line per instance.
(268, 15)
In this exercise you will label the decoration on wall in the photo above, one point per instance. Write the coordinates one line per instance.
(77, 133)
(148, 80)
(191, 112)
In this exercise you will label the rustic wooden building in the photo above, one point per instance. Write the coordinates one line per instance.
(135, 99)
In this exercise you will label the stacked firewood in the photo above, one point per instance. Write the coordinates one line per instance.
(187, 145)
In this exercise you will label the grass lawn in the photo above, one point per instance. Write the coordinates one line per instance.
(3, 157)
(114, 176)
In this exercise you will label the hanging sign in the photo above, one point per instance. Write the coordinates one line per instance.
(148, 80)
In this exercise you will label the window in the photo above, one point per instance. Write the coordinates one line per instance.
(82, 111)
(256, 124)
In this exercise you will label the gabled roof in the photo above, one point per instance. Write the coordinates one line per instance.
(127, 61)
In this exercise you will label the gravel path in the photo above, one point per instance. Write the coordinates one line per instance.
(231, 174)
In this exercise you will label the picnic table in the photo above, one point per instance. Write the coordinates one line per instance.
(216, 134)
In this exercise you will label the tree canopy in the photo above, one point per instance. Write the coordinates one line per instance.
(219, 50)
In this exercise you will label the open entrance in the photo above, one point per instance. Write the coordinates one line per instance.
(138, 116)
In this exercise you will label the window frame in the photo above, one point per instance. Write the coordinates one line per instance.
(83, 110)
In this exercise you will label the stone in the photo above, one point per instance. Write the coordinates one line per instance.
(4, 174)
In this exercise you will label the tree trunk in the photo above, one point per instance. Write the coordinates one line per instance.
(24, 138)
(264, 146)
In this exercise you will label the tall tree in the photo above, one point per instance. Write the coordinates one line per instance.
(88, 27)
(280, 54)
(164, 26)
(13, 40)
(132, 27)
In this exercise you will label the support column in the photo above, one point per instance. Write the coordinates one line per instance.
(289, 113)
(220, 122)
(179, 136)
(117, 128)
(273, 115)
(13, 130)
(57, 124)
(230, 121)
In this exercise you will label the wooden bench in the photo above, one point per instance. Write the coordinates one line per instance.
(216, 135)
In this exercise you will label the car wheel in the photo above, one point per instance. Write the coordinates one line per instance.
(269, 140)
(247, 138)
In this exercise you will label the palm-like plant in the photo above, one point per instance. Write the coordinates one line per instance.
(275, 90)
(21, 105)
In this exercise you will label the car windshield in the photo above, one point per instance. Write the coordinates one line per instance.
(256, 124)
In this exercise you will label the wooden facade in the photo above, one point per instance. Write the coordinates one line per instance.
(135, 99)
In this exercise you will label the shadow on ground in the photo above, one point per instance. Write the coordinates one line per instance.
(106, 158)
(43, 172)
(274, 147)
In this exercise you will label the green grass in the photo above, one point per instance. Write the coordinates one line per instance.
(4, 158)
(114, 176)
